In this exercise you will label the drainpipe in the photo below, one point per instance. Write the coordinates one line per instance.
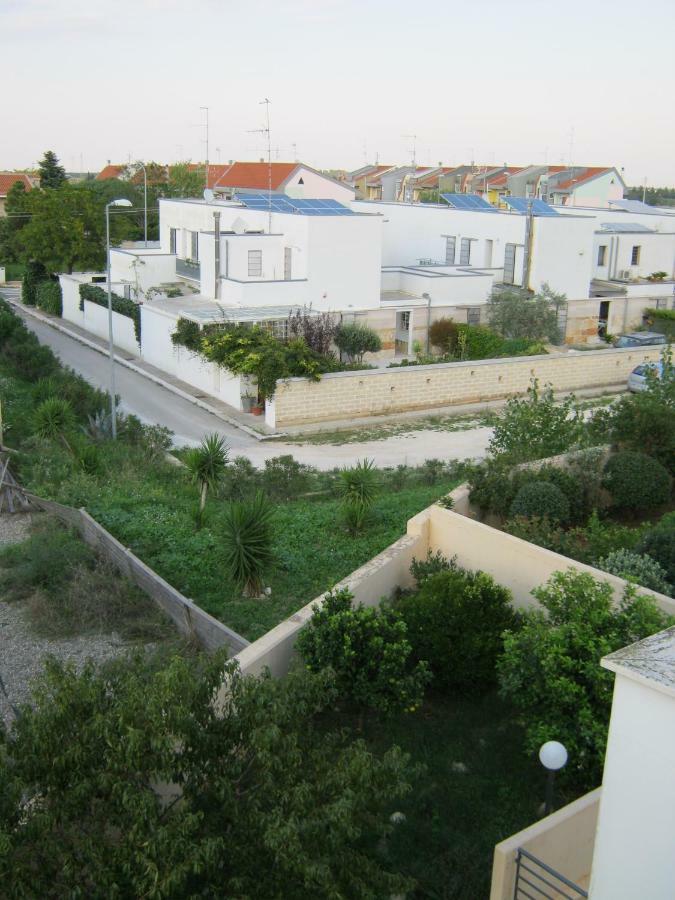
(427, 297)
(529, 235)
(216, 228)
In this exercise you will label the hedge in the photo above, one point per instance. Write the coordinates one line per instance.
(95, 294)
(48, 297)
(662, 321)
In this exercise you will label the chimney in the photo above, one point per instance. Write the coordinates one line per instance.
(216, 238)
(261, 159)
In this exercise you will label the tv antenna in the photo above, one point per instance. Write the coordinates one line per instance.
(413, 151)
(206, 125)
(266, 131)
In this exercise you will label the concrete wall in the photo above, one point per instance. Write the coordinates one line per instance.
(562, 254)
(94, 318)
(142, 268)
(351, 395)
(317, 186)
(634, 846)
(563, 840)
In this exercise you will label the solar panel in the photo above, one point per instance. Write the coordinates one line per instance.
(468, 201)
(627, 227)
(298, 205)
(522, 205)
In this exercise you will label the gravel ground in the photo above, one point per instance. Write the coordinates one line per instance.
(22, 653)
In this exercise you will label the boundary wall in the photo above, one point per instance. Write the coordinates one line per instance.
(354, 395)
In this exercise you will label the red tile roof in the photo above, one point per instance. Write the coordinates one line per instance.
(110, 172)
(9, 179)
(431, 180)
(586, 175)
(502, 178)
(254, 176)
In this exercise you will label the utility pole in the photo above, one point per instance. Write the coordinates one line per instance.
(266, 130)
(644, 189)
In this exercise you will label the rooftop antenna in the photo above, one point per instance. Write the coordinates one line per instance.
(413, 151)
(218, 152)
(365, 153)
(266, 130)
(295, 152)
(206, 125)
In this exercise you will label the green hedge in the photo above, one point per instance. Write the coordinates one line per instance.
(49, 298)
(95, 294)
(662, 321)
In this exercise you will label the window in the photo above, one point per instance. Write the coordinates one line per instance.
(473, 315)
(194, 245)
(278, 328)
(255, 263)
(450, 251)
(127, 292)
(405, 321)
(635, 256)
(173, 242)
(602, 255)
(465, 252)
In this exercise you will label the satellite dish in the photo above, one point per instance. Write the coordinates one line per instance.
(239, 226)
(208, 195)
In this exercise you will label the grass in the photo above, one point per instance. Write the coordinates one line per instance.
(453, 817)
(395, 429)
(14, 271)
(69, 590)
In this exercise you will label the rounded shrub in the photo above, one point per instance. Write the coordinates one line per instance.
(48, 297)
(659, 543)
(455, 622)
(636, 481)
(542, 500)
(637, 567)
(443, 334)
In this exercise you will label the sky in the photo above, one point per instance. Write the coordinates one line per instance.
(349, 82)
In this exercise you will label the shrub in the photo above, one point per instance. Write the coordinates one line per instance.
(356, 515)
(34, 275)
(359, 483)
(422, 569)
(551, 672)
(48, 297)
(316, 329)
(494, 486)
(368, 651)
(637, 567)
(122, 305)
(247, 542)
(53, 418)
(356, 340)
(514, 313)
(206, 465)
(541, 499)
(284, 477)
(9, 324)
(455, 622)
(636, 481)
(29, 359)
(659, 543)
(241, 480)
(443, 334)
(479, 342)
(644, 424)
(44, 562)
(187, 334)
(536, 426)
(432, 470)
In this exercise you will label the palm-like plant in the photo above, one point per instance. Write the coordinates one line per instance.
(207, 464)
(360, 484)
(54, 418)
(247, 542)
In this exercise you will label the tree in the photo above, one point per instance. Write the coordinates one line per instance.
(185, 180)
(52, 175)
(356, 340)
(535, 426)
(316, 329)
(369, 652)
(514, 313)
(551, 672)
(130, 783)
(206, 465)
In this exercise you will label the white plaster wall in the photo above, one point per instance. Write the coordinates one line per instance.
(156, 330)
(634, 855)
(316, 186)
(70, 291)
(562, 254)
(598, 192)
(148, 269)
(446, 286)
(95, 320)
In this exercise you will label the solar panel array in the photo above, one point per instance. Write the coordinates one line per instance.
(468, 201)
(626, 227)
(283, 204)
(522, 205)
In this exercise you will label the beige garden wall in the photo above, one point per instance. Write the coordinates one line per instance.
(352, 395)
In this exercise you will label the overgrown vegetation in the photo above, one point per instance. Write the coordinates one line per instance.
(516, 314)
(129, 308)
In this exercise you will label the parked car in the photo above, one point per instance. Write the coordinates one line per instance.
(640, 339)
(637, 380)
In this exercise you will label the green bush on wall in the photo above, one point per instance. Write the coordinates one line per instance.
(49, 298)
(636, 481)
(95, 294)
(541, 499)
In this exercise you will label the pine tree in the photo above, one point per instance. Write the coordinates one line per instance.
(52, 175)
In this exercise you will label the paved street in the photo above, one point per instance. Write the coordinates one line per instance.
(156, 405)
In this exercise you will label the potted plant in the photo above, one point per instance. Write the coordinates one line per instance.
(258, 407)
(247, 402)
(657, 276)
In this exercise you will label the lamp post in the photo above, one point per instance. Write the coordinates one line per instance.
(113, 409)
(145, 200)
(552, 756)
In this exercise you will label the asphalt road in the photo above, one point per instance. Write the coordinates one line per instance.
(155, 405)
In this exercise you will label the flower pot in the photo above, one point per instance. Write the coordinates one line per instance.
(247, 404)
(258, 409)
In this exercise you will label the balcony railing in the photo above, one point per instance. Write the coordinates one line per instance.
(187, 268)
(537, 881)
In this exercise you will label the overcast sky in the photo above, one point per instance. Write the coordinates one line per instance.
(516, 82)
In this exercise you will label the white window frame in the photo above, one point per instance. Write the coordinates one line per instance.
(602, 255)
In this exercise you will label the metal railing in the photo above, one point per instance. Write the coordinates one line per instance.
(187, 268)
(537, 881)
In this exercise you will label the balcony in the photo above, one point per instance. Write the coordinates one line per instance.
(187, 268)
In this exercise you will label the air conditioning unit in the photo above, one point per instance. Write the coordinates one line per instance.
(624, 274)
(634, 273)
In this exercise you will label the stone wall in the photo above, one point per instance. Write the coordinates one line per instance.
(352, 395)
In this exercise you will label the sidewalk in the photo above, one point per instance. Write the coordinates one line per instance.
(252, 425)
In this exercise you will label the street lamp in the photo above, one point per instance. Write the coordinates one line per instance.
(552, 756)
(113, 410)
(145, 199)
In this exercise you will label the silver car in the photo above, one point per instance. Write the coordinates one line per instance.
(637, 380)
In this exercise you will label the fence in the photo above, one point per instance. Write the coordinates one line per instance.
(189, 618)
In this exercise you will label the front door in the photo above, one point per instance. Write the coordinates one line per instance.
(509, 263)
(603, 318)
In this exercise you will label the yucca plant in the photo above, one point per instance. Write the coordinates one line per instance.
(355, 515)
(359, 484)
(54, 419)
(207, 464)
(247, 542)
